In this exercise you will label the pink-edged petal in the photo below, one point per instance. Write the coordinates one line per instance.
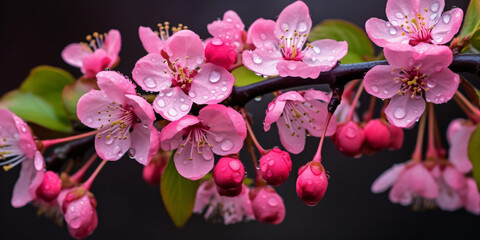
(397, 9)
(110, 148)
(14, 127)
(233, 18)
(150, 40)
(273, 112)
(298, 69)
(145, 143)
(113, 43)
(115, 85)
(401, 55)
(454, 178)
(262, 61)
(96, 62)
(261, 34)
(151, 74)
(92, 109)
(447, 26)
(432, 58)
(379, 82)
(191, 164)
(442, 86)
(227, 129)
(172, 103)
(455, 126)
(403, 111)
(387, 179)
(21, 194)
(291, 96)
(171, 135)
(382, 32)
(472, 198)
(230, 28)
(74, 54)
(211, 85)
(292, 136)
(434, 9)
(325, 53)
(185, 48)
(458, 152)
(293, 18)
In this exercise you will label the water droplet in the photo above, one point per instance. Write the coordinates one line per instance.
(117, 151)
(89, 120)
(433, 16)
(220, 96)
(269, 173)
(258, 98)
(273, 202)
(446, 18)
(256, 58)
(192, 94)
(172, 112)
(205, 97)
(161, 103)
(224, 83)
(217, 41)
(234, 165)
(229, 20)
(302, 27)
(271, 162)
(219, 138)
(399, 15)
(109, 140)
(263, 36)
(399, 113)
(169, 94)
(394, 23)
(224, 89)
(374, 89)
(213, 91)
(431, 84)
(316, 50)
(438, 67)
(184, 107)
(393, 31)
(385, 91)
(185, 162)
(227, 145)
(330, 58)
(131, 153)
(214, 76)
(291, 66)
(149, 82)
(199, 60)
(350, 133)
(435, 7)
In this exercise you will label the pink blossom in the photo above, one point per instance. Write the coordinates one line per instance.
(296, 112)
(413, 22)
(452, 184)
(217, 128)
(230, 28)
(99, 53)
(472, 197)
(220, 52)
(124, 120)
(231, 209)
(79, 209)
(181, 77)
(458, 135)
(279, 46)
(18, 146)
(412, 72)
(377, 135)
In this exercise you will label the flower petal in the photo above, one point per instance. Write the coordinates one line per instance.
(262, 61)
(96, 62)
(21, 195)
(293, 18)
(458, 152)
(185, 48)
(472, 198)
(297, 69)
(396, 10)
(150, 40)
(312, 94)
(403, 111)
(94, 109)
(447, 26)
(434, 9)
(231, 28)
(273, 112)
(292, 135)
(388, 178)
(261, 34)
(448, 199)
(109, 147)
(317, 111)
(151, 74)
(379, 82)
(432, 58)
(191, 164)
(454, 178)
(145, 143)
(211, 85)
(382, 32)
(74, 54)
(401, 55)
(421, 181)
(442, 86)
(115, 85)
(113, 42)
(172, 103)
(171, 135)
(325, 53)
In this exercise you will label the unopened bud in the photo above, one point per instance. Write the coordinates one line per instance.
(267, 205)
(221, 52)
(377, 135)
(349, 139)
(312, 183)
(228, 175)
(50, 187)
(275, 166)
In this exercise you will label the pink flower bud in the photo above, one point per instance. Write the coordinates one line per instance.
(50, 187)
(396, 140)
(79, 209)
(228, 173)
(312, 183)
(221, 52)
(275, 166)
(377, 135)
(267, 205)
(349, 138)
(152, 173)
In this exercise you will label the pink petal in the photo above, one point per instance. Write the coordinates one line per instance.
(401, 55)
(294, 17)
(212, 84)
(142, 109)
(297, 69)
(400, 193)
(171, 135)
(421, 181)
(379, 82)
(96, 62)
(150, 40)
(292, 96)
(403, 111)
(325, 53)
(261, 34)
(185, 48)
(233, 18)
(227, 129)
(458, 152)
(151, 74)
(442, 86)
(432, 58)
(454, 178)
(74, 54)
(89, 106)
(434, 10)
(39, 164)
(455, 126)
(21, 195)
(15, 127)
(115, 85)
(293, 143)
(172, 103)
(382, 32)
(111, 148)
(199, 164)
(448, 199)
(387, 179)
(145, 143)
(472, 199)
(204, 195)
(447, 26)
(273, 112)
(318, 114)
(231, 28)
(312, 94)
(262, 61)
(397, 9)
(113, 42)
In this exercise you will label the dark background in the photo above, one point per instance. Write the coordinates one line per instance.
(35, 32)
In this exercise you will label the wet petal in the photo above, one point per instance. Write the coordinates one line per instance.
(115, 85)
(379, 82)
(273, 112)
(292, 135)
(113, 42)
(442, 86)
(171, 135)
(191, 164)
(262, 61)
(261, 34)
(325, 53)
(397, 9)
(150, 40)
(185, 48)
(95, 109)
(111, 146)
(172, 103)
(152, 74)
(447, 26)
(382, 32)
(74, 54)
(212, 84)
(403, 111)
(145, 142)
(293, 18)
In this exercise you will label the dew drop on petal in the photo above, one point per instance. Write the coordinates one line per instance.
(316, 50)
(269, 173)
(285, 26)
(131, 153)
(438, 67)
(291, 66)
(219, 138)
(149, 82)
(399, 113)
(214, 76)
(446, 18)
(199, 60)
(217, 41)
(431, 84)
(185, 162)
(220, 96)
(109, 140)
(399, 15)
(350, 133)
(169, 94)
(224, 89)
(385, 91)
(192, 94)
(205, 97)
(435, 7)
(161, 103)
(184, 107)
(271, 162)
(182, 99)
(227, 145)
(374, 89)
(330, 58)
(172, 112)
(393, 31)
(256, 58)
(234, 165)
(89, 120)
(433, 16)
(302, 27)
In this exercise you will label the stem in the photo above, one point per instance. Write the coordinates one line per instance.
(250, 132)
(472, 112)
(431, 150)
(87, 184)
(258, 173)
(369, 115)
(354, 103)
(49, 143)
(417, 153)
(438, 142)
(77, 177)
(318, 154)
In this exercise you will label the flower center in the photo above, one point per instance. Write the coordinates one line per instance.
(417, 30)
(10, 153)
(292, 46)
(413, 82)
(165, 31)
(94, 42)
(296, 116)
(181, 76)
(197, 139)
(118, 122)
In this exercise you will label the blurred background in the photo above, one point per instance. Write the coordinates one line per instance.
(35, 32)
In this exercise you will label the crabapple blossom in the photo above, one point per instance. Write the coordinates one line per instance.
(458, 135)
(296, 112)
(349, 138)
(275, 166)
(228, 175)
(267, 205)
(413, 22)
(312, 183)
(18, 146)
(280, 46)
(472, 197)
(230, 28)
(124, 121)
(451, 186)
(153, 42)
(100, 52)
(50, 187)
(217, 129)
(412, 73)
(79, 209)
(231, 209)
(181, 77)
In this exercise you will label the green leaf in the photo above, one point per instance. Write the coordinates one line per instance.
(472, 19)
(475, 39)
(33, 108)
(72, 93)
(178, 194)
(360, 49)
(243, 76)
(474, 154)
